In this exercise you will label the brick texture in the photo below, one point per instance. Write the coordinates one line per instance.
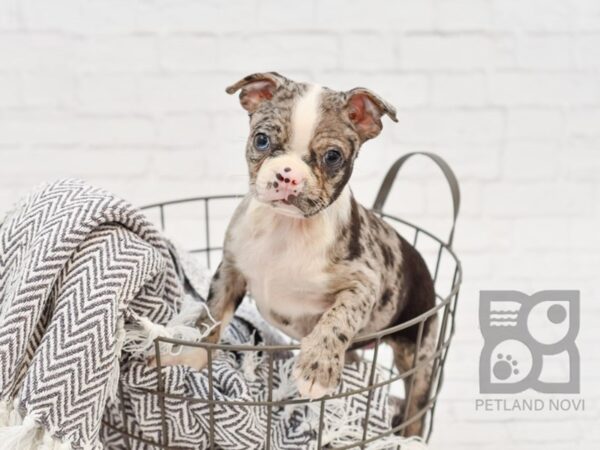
(129, 94)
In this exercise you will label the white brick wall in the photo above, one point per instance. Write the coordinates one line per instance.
(129, 94)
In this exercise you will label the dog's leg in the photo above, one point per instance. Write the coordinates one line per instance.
(227, 290)
(404, 355)
(319, 366)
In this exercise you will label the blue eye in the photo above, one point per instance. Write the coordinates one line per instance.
(333, 158)
(262, 142)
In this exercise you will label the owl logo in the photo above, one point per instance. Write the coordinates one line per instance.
(529, 342)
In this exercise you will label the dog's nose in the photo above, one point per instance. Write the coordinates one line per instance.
(285, 183)
(287, 178)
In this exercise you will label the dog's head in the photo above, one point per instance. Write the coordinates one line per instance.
(304, 139)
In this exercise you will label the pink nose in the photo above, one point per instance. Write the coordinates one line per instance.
(285, 183)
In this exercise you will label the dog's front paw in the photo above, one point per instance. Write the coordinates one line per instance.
(318, 369)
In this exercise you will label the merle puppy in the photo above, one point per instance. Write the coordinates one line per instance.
(320, 267)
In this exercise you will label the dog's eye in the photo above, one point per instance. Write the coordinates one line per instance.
(262, 142)
(332, 158)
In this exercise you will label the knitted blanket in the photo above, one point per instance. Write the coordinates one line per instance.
(86, 284)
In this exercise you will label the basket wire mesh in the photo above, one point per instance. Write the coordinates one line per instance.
(441, 259)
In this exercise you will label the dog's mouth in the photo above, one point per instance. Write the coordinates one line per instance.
(289, 204)
(288, 207)
(296, 206)
(292, 207)
(291, 200)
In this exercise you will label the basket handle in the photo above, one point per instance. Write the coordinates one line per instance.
(390, 177)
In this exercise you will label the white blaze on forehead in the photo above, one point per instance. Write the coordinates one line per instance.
(305, 116)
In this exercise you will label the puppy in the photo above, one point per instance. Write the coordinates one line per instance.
(320, 267)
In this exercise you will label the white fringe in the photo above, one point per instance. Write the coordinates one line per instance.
(287, 386)
(251, 361)
(339, 427)
(14, 418)
(17, 433)
(24, 436)
(4, 413)
(140, 341)
(113, 379)
(349, 435)
(49, 443)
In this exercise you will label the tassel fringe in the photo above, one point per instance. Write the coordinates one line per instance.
(18, 433)
(20, 437)
(340, 428)
(4, 413)
(113, 380)
(139, 341)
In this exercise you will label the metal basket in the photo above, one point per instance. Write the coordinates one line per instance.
(441, 259)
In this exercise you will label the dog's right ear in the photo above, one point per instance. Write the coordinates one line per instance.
(256, 88)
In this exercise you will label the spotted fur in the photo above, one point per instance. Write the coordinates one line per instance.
(320, 266)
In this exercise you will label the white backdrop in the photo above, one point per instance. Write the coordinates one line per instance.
(129, 94)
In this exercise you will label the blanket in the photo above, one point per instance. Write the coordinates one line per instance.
(86, 285)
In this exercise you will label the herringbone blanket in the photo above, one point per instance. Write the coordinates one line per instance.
(86, 284)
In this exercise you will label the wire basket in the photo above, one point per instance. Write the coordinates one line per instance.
(185, 217)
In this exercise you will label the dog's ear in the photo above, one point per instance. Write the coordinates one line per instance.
(256, 88)
(365, 109)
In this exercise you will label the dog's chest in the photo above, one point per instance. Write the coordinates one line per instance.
(285, 265)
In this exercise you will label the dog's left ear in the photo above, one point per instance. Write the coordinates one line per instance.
(256, 88)
(365, 109)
